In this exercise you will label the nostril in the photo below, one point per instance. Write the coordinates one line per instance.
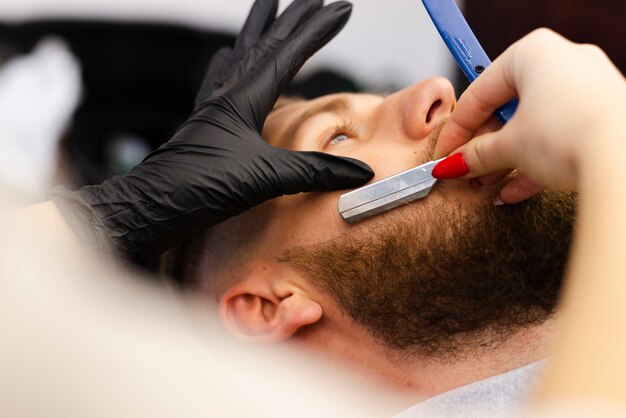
(432, 110)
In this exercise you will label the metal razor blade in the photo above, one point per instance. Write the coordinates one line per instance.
(388, 193)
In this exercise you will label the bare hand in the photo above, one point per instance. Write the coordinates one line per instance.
(571, 99)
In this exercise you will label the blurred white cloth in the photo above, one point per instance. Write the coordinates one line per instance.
(500, 396)
(84, 338)
(39, 93)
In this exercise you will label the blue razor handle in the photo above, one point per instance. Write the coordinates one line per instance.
(463, 45)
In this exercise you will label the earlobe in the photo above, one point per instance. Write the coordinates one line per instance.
(255, 312)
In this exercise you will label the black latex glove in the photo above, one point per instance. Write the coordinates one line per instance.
(217, 165)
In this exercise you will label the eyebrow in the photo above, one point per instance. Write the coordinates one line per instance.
(341, 104)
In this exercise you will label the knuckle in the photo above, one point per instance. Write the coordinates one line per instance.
(544, 34)
(592, 51)
(541, 38)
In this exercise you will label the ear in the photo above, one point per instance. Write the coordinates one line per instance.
(267, 305)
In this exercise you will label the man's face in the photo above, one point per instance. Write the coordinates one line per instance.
(445, 265)
(391, 134)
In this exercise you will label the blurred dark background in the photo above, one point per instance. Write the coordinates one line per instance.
(139, 83)
(497, 24)
(140, 79)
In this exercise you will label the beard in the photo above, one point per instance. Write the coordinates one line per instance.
(437, 278)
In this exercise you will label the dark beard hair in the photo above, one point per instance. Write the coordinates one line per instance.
(435, 280)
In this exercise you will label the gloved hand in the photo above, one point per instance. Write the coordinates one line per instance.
(217, 165)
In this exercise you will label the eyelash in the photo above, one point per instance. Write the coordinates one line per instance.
(345, 129)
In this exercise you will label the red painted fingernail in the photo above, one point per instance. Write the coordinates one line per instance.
(452, 167)
(475, 183)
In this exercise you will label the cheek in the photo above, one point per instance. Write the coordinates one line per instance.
(306, 218)
(387, 159)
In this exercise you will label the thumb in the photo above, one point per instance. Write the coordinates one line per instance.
(482, 155)
(317, 171)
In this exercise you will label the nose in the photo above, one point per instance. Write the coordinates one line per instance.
(422, 106)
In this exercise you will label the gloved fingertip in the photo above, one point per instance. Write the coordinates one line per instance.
(343, 173)
(259, 19)
(342, 9)
(342, 6)
(360, 166)
(306, 5)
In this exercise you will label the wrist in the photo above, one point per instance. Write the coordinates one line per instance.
(604, 156)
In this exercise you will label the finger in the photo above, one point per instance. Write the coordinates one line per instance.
(259, 19)
(491, 125)
(482, 156)
(491, 179)
(293, 17)
(443, 147)
(518, 189)
(214, 75)
(476, 106)
(279, 68)
(316, 171)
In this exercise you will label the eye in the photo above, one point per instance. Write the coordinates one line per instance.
(338, 138)
(342, 132)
